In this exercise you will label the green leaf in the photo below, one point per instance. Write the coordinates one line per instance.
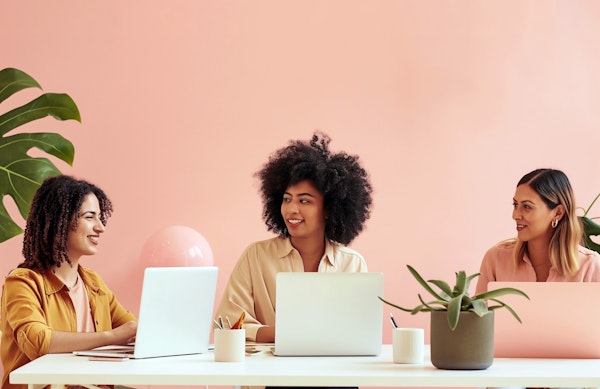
(461, 282)
(7, 226)
(14, 80)
(454, 308)
(492, 294)
(479, 307)
(469, 279)
(394, 305)
(20, 174)
(59, 106)
(590, 228)
(443, 304)
(22, 178)
(508, 307)
(424, 283)
(444, 287)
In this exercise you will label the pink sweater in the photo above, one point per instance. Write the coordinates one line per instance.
(498, 265)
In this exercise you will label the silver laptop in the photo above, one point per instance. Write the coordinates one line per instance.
(328, 314)
(176, 312)
(559, 321)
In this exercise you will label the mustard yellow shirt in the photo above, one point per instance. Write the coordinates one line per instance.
(34, 304)
(498, 265)
(251, 286)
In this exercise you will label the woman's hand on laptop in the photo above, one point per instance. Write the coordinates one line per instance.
(265, 334)
(66, 341)
(125, 333)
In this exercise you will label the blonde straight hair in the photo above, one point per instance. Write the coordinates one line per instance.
(554, 188)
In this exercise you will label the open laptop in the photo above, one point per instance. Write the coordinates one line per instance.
(561, 320)
(176, 310)
(328, 314)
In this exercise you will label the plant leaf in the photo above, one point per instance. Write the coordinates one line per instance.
(20, 174)
(461, 282)
(508, 307)
(14, 80)
(479, 307)
(58, 105)
(429, 305)
(469, 279)
(8, 228)
(394, 305)
(492, 294)
(444, 287)
(424, 283)
(590, 228)
(454, 308)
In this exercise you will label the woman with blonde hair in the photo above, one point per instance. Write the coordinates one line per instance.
(549, 235)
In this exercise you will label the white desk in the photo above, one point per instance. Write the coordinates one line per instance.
(265, 369)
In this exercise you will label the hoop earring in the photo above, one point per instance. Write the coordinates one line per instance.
(554, 223)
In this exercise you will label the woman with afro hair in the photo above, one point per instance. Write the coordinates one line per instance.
(316, 202)
(50, 303)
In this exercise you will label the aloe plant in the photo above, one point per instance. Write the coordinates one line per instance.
(456, 300)
(21, 174)
(590, 228)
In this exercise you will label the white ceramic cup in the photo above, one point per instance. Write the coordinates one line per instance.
(230, 345)
(408, 345)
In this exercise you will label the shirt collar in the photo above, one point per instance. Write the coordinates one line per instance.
(286, 248)
(54, 284)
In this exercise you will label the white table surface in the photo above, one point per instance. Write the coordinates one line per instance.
(266, 369)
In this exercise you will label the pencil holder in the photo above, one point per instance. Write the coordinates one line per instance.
(408, 345)
(230, 345)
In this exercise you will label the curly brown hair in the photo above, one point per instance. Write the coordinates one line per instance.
(52, 215)
(339, 177)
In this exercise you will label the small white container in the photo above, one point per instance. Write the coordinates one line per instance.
(408, 345)
(230, 345)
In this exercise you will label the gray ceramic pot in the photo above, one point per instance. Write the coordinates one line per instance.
(469, 347)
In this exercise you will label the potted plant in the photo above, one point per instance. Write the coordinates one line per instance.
(20, 173)
(462, 326)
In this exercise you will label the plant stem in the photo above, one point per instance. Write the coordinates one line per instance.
(591, 205)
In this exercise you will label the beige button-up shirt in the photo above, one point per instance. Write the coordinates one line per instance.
(251, 286)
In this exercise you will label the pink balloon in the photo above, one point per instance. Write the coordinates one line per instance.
(177, 246)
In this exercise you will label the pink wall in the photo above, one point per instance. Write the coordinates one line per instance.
(447, 103)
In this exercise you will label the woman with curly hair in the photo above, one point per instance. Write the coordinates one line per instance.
(316, 202)
(549, 235)
(50, 303)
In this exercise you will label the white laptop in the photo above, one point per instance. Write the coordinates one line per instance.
(176, 312)
(561, 320)
(328, 314)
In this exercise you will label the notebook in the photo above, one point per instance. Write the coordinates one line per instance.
(328, 314)
(176, 310)
(561, 320)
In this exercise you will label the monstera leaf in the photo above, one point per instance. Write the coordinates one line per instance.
(590, 228)
(20, 173)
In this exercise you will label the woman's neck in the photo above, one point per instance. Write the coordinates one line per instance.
(67, 273)
(538, 253)
(311, 251)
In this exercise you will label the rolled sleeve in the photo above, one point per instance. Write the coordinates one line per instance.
(25, 317)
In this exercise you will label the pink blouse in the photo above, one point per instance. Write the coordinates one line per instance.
(498, 265)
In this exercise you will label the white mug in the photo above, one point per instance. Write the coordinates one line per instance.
(408, 345)
(230, 345)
